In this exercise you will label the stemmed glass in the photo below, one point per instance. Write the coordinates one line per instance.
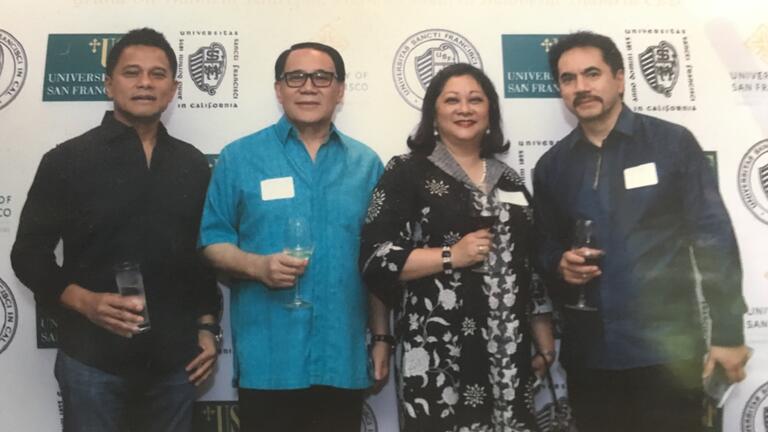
(298, 244)
(584, 236)
(483, 217)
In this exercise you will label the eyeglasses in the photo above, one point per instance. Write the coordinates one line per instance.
(298, 78)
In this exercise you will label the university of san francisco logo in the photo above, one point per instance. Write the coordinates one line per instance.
(660, 67)
(753, 180)
(526, 66)
(9, 316)
(754, 418)
(75, 66)
(423, 55)
(209, 69)
(207, 66)
(13, 68)
(660, 70)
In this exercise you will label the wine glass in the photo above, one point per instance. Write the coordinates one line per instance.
(584, 236)
(298, 244)
(482, 217)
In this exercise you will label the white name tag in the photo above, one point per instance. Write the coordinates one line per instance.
(277, 188)
(640, 176)
(512, 197)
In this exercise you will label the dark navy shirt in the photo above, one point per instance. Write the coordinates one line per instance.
(654, 234)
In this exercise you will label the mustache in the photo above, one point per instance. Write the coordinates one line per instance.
(586, 98)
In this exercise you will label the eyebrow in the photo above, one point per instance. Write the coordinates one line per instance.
(583, 71)
(471, 93)
(151, 68)
(316, 70)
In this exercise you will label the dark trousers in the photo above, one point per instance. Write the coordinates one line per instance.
(660, 398)
(315, 409)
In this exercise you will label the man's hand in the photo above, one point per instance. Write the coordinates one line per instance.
(118, 314)
(732, 359)
(380, 354)
(201, 367)
(574, 268)
(279, 270)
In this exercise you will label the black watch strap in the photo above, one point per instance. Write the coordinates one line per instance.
(389, 339)
(213, 328)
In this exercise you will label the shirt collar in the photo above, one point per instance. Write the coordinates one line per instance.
(284, 128)
(625, 125)
(112, 128)
(444, 160)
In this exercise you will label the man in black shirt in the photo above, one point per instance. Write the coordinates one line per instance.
(124, 191)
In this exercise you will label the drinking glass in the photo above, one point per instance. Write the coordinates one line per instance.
(298, 244)
(130, 283)
(483, 217)
(584, 236)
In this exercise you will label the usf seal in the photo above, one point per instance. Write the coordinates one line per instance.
(9, 316)
(660, 67)
(754, 418)
(207, 66)
(753, 180)
(13, 68)
(423, 55)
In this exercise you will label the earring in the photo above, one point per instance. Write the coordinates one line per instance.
(488, 131)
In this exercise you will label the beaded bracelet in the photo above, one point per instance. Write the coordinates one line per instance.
(447, 264)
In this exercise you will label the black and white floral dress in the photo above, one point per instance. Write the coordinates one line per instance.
(464, 354)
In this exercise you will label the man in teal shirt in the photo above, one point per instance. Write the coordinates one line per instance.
(298, 369)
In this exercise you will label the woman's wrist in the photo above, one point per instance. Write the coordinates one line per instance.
(383, 338)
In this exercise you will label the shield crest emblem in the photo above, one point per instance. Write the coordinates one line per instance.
(660, 66)
(763, 173)
(433, 60)
(207, 66)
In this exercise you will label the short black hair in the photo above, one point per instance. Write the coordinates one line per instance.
(338, 62)
(611, 54)
(144, 36)
(423, 141)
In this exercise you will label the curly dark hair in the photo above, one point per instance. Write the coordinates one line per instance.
(423, 140)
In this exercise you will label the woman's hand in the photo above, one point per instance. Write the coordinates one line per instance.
(471, 249)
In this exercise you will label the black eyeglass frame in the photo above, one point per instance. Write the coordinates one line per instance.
(312, 76)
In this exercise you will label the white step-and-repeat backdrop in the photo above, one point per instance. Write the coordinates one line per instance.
(714, 55)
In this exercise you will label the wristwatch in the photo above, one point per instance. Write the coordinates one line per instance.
(214, 328)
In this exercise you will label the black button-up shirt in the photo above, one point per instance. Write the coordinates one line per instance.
(648, 309)
(97, 195)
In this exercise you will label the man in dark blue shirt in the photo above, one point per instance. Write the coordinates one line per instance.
(634, 359)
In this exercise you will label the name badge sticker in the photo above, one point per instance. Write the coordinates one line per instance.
(277, 188)
(640, 176)
(512, 197)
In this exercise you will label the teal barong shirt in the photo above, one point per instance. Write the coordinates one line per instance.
(276, 347)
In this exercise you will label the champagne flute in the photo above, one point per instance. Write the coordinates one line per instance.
(584, 236)
(298, 244)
